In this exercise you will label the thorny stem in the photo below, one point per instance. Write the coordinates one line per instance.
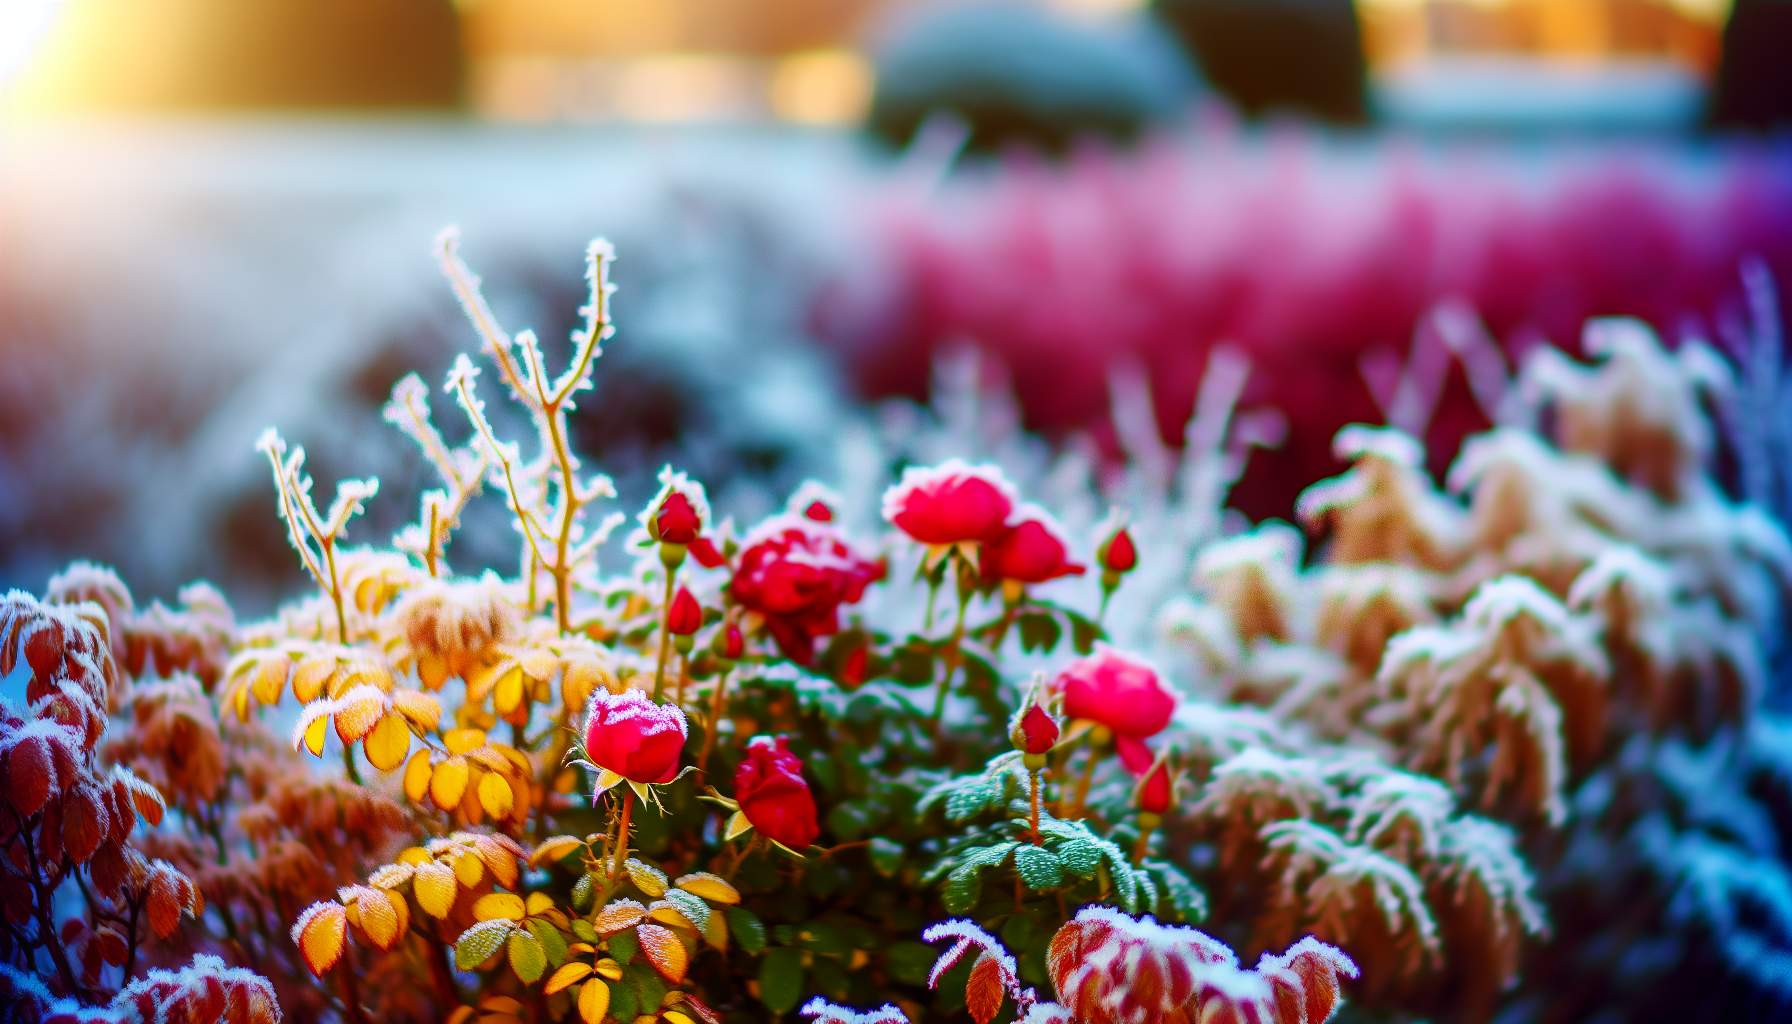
(952, 657)
(46, 927)
(659, 670)
(1034, 785)
(684, 678)
(628, 808)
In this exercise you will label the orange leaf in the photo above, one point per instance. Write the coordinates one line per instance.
(379, 918)
(387, 743)
(498, 904)
(495, 795)
(357, 711)
(618, 916)
(983, 992)
(553, 848)
(416, 776)
(665, 952)
(321, 932)
(594, 1002)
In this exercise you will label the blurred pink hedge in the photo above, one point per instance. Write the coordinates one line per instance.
(1307, 253)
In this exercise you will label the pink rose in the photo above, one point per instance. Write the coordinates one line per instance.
(1117, 691)
(773, 794)
(1032, 551)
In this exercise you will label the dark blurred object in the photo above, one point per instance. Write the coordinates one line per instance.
(1018, 74)
(1298, 56)
(1754, 77)
(232, 54)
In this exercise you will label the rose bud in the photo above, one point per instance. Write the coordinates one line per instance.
(1117, 554)
(731, 643)
(815, 502)
(630, 735)
(773, 794)
(707, 554)
(855, 666)
(952, 503)
(676, 516)
(1154, 790)
(1118, 692)
(1032, 551)
(684, 616)
(1034, 733)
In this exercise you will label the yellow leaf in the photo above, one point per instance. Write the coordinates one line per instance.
(495, 795)
(664, 951)
(315, 732)
(738, 825)
(553, 848)
(496, 905)
(538, 903)
(309, 678)
(378, 918)
(418, 708)
(714, 888)
(448, 782)
(500, 854)
(608, 968)
(618, 916)
(435, 887)
(387, 743)
(675, 1017)
(432, 671)
(594, 1002)
(459, 741)
(469, 869)
(416, 777)
(568, 973)
(238, 699)
(539, 664)
(715, 931)
(322, 930)
(413, 854)
(270, 678)
(647, 878)
(509, 691)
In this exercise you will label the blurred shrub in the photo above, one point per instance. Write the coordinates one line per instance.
(1297, 56)
(1020, 74)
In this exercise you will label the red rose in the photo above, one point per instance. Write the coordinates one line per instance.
(685, 616)
(1117, 691)
(731, 644)
(774, 796)
(1117, 554)
(632, 736)
(950, 503)
(1154, 789)
(1031, 552)
(1035, 733)
(814, 501)
(796, 574)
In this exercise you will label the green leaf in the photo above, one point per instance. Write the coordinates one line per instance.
(586, 932)
(848, 821)
(625, 1003)
(781, 979)
(1020, 933)
(963, 886)
(1038, 631)
(970, 798)
(690, 905)
(623, 946)
(1038, 868)
(552, 942)
(748, 932)
(1079, 856)
(1185, 897)
(1084, 632)
(527, 958)
(583, 891)
(886, 856)
(649, 990)
(822, 937)
(477, 944)
(829, 977)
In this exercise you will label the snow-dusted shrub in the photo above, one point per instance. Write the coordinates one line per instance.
(724, 770)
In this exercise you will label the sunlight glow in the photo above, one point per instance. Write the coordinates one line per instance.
(23, 24)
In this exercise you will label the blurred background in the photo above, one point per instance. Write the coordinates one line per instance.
(217, 215)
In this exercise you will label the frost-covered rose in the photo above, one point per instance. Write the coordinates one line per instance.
(1031, 551)
(632, 736)
(796, 573)
(951, 503)
(773, 794)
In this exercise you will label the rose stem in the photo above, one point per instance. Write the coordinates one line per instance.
(1033, 813)
(628, 807)
(715, 718)
(659, 671)
(952, 657)
(1082, 784)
